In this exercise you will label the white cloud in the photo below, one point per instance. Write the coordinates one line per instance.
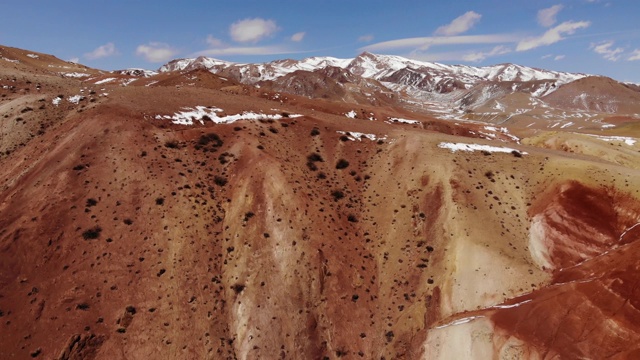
(437, 56)
(74, 60)
(635, 55)
(605, 49)
(552, 35)
(365, 38)
(106, 50)
(252, 30)
(214, 42)
(479, 56)
(547, 17)
(559, 57)
(156, 52)
(546, 56)
(460, 24)
(424, 43)
(297, 37)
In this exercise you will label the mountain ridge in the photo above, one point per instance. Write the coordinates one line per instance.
(375, 66)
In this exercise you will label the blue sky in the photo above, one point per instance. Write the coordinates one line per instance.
(590, 36)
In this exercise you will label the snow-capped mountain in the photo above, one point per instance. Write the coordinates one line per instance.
(135, 72)
(490, 93)
(396, 70)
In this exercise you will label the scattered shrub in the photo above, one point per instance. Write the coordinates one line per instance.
(159, 201)
(91, 202)
(248, 216)
(92, 233)
(315, 157)
(337, 195)
(219, 180)
(312, 159)
(315, 131)
(342, 164)
(172, 144)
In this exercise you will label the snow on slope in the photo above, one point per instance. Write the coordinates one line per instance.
(377, 67)
(202, 113)
(453, 147)
(136, 72)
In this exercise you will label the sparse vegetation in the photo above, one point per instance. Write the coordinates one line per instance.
(312, 159)
(92, 233)
(219, 180)
(172, 144)
(342, 164)
(209, 142)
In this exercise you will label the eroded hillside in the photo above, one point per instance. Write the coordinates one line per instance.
(209, 219)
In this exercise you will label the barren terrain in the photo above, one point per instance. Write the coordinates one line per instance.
(188, 214)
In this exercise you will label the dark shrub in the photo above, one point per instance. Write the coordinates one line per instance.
(92, 233)
(342, 164)
(219, 180)
(172, 144)
(92, 202)
(315, 131)
(315, 157)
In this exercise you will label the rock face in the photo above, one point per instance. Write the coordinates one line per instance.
(188, 215)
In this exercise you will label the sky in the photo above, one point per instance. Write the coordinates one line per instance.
(600, 37)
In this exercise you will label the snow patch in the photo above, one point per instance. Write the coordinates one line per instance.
(56, 101)
(627, 140)
(459, 322)
(128, 81)
(403, 121)
(75, 99)
(353, 136)
(202, 113)
(33, 56)
(74, 74)
(103, 81)
(351, 114)
(476, 147)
